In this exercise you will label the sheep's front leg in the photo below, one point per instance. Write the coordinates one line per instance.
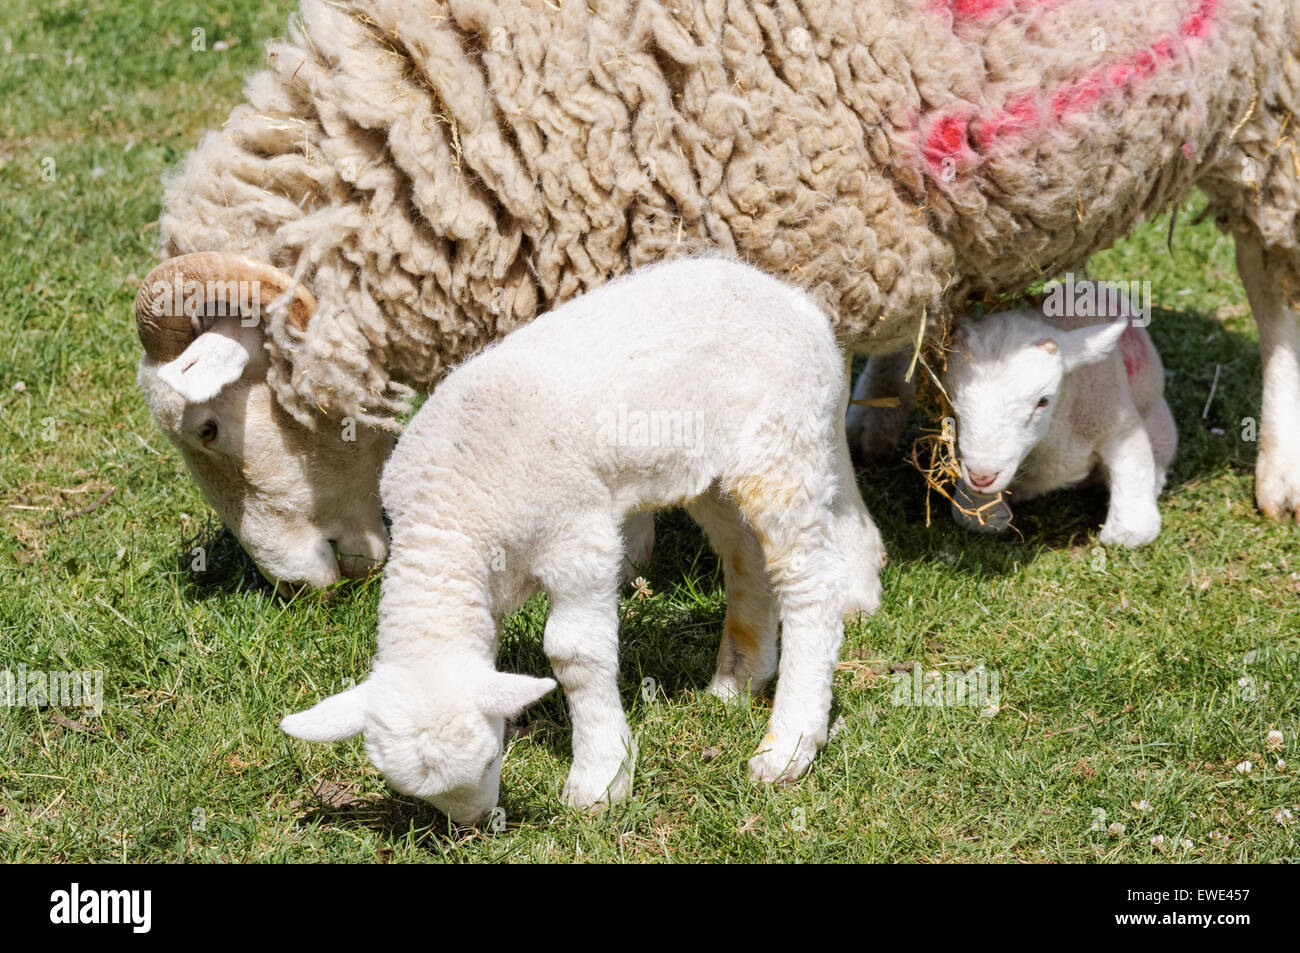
(581, 642)
(1133, 518)
(1277, 468)
(859, 539)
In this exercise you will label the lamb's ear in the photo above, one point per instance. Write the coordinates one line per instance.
(505, 694)
(337, 718)
(1091, 344)
(211, 363)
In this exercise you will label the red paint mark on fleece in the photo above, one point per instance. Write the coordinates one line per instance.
(963, 10)
(946, 139)
(947, 144)
(1133, 350)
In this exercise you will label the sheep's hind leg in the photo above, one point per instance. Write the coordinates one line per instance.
(873, 432)
(638, 544)
(1277, 468)
(747, 656)
(581, 641)
(807, 570)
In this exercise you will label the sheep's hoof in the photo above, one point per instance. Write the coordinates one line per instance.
(1277, 488)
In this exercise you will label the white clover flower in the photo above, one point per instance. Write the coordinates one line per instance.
(1115, 830)
(1274, 740)
(1245, 767)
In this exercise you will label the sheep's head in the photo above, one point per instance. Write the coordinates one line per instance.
(1004, 376)
(303, 502)
(435, 731)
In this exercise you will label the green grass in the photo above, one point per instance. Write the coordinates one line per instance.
(1119, 684)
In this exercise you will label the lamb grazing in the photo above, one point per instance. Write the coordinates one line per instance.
(436, 173)
(1044, 403)
(516, 476)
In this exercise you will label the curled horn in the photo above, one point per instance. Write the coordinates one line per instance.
(167, 315)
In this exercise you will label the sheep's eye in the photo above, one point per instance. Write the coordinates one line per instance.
(208, 432)
(1042, 402)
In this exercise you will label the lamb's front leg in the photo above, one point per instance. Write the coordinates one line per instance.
(581, 642)
(1133, 517)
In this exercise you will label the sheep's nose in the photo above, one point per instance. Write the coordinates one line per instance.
(982, 481)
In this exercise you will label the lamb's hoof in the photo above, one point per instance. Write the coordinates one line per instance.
(583, 793)
(782, 764)
(1277, 488)
(735, 688)
(1130, 537)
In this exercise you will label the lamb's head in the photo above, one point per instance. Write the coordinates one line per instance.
(434, 730)
(1004, 375)
(303, 502)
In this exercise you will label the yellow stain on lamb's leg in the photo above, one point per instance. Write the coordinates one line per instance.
(737, 564)
(743, 635)
(756, 494)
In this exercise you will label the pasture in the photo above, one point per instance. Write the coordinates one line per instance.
(1135, 691)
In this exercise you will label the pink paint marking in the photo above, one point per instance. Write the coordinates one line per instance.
(967, 10)
(1133, 350)
(947, 138)
(948, 141)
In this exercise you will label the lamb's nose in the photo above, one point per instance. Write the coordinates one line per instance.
(982, 481)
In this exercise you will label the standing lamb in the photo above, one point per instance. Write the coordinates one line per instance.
(436, 174)
(517, 474)
(1043, 404)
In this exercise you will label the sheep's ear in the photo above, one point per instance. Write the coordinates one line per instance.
(505, 694)
(211, 363)
(1091, 344)
(337, 718)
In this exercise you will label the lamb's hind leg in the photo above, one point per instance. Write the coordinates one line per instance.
(1277, 469)
(747, 656)
(581, 641)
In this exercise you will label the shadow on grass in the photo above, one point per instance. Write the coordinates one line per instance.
(212, 563)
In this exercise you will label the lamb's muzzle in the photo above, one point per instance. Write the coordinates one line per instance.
(176, 294)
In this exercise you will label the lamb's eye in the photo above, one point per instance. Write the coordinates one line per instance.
(1042, 402)
(208, 432)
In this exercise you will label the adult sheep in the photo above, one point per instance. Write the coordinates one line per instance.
(433, 179)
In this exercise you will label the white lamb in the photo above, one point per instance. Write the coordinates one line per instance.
(1048, 403)
(516, 476)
